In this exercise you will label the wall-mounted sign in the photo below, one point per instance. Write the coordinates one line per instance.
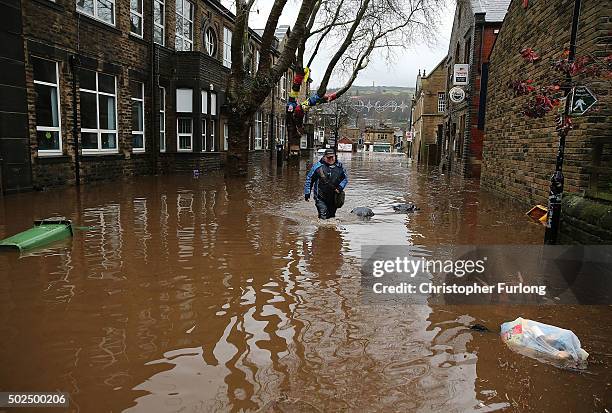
(582, 100)
(456, 95)
(408, 136)
(460, 74)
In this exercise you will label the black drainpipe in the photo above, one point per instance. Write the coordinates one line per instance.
(74, 66)
(154, 90)
(272, 143)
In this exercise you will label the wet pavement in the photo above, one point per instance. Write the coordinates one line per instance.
(214, 294)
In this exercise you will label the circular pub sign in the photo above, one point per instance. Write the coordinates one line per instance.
(456, 94)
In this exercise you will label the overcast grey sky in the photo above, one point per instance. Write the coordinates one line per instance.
(401, 72)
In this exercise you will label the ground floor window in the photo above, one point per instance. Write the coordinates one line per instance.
(48, 119)
(258, 130)
(282, 131)
(184, 129)
(162, 119)
(138, 137)
(250, 138)
(266, 133)
(204, 140)
(225, 136)
(98, 95)
(213, 135)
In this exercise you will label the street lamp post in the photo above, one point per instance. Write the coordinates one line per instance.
(555, 193)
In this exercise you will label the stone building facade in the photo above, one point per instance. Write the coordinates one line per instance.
(428, 105)
(138, 86)
(379, 139)
(475, 27)
(519, 152)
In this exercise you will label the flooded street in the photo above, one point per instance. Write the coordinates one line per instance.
(210, 294)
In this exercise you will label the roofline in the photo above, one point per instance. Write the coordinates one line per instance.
(500, 28)
(435, 68)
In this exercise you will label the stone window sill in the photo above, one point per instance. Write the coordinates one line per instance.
(98, 156)
(53, 158)
(138, 39)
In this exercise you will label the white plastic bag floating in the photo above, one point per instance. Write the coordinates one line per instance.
(544, 342)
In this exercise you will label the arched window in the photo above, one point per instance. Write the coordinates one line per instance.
(210, 42)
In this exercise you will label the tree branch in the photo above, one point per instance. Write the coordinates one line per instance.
(265, 58)
(348, 39)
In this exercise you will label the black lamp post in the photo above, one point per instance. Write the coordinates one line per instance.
(555, 193)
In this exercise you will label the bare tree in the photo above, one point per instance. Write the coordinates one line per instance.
(352, 29)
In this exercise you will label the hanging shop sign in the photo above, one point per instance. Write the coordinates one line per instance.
(456, 95)
(460, 74)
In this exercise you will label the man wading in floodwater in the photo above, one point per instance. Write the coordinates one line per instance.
(326, 179)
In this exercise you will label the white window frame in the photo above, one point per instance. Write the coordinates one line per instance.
(210, 42)
(258, 130)
(204, 137)
(204, 102)
(441, 101)
(213, 104)
(162, 115)
(185, 19)
(257, 57)
(184, 93)
(283, 86)
(225, 136)
(101, 131)
(212, 135)
(250, 137)
(139, 15)
(162, 26)
(58, 128)
(141, 100)
(282, 130)
(95, 14)
(179, 135)
(227, 47)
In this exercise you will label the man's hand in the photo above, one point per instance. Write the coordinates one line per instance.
(306, 197)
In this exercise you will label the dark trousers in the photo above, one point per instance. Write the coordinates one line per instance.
(326, 209)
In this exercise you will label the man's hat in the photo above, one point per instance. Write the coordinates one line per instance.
(329, 151)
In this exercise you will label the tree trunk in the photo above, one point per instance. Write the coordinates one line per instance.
(238, 144)
(293, 134)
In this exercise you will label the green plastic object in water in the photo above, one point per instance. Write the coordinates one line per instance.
(45, 231)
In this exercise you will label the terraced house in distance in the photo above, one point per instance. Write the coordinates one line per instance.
(102, 89)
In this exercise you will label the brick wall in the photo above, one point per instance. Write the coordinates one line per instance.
(471, 41)
(519, 153)
(113, 50)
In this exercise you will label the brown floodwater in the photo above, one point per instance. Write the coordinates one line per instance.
(211, 294)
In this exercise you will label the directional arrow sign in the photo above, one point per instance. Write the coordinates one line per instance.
(582, 100)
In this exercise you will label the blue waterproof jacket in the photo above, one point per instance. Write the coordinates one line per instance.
(323, 180)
